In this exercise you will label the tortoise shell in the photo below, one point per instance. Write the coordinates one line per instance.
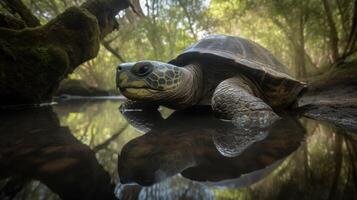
(251, 59)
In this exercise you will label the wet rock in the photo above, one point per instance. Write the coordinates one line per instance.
(333, 97)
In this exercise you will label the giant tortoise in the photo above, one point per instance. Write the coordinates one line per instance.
(240, 79)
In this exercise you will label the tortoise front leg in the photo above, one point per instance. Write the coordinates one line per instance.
(234, 99)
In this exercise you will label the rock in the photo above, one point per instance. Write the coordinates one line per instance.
(333, 96)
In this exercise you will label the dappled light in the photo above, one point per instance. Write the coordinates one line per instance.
(178, 99)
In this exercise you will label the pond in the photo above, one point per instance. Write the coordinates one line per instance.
(84, 149)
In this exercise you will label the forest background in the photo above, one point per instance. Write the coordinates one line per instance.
(308, 36)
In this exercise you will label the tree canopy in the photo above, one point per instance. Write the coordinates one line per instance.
(308, 36)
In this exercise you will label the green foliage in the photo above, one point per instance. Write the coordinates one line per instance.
(295, 31)
(299, 33)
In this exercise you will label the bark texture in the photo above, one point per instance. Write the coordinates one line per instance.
(34, 60)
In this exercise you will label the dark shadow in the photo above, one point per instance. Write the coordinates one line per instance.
(34, 146)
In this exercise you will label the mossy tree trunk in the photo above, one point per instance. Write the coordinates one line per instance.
(34, 58)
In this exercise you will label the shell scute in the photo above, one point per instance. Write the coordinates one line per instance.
(252, 59)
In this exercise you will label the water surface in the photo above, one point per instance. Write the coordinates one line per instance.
(73, 150)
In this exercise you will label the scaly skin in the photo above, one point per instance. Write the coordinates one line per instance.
(234, 99)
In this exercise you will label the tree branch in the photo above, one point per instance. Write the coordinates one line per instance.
(52, 4)
(18, 7)
(352, 39)
(115, 52)
(333, 31)
(309, 60)
(4, 6)
(40, 11)
(11, 22)
(190, 23)
(105, 12)
(135, 6)
(42, 56)
(344, 17)
(109, 140)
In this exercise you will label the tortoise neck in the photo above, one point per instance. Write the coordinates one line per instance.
(190, 91)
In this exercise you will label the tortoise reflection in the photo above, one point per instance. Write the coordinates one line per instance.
(200, 147)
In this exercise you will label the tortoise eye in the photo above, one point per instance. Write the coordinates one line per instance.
(142, 70)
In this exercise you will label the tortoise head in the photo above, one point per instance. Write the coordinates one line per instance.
(149, 80)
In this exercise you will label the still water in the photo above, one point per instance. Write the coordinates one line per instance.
(84, 149)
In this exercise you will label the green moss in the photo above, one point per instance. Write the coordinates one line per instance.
(39, 58)
(41, 54)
